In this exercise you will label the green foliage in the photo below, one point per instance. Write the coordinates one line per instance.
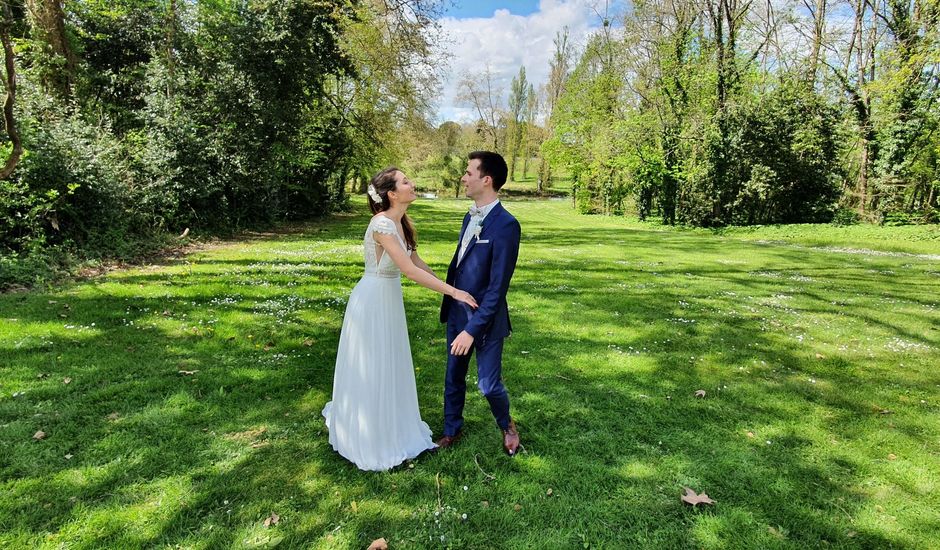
(647, 173)
(845, 216)
(789, 144)
(450, 170)
(212, 116)
(583, 140)
(585, 202)
(706, 130)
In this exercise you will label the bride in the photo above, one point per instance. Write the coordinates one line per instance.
(373, 418)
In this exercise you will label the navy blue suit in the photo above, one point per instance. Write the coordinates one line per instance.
(484, 272)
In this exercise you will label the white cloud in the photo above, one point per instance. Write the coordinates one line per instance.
(506, 42)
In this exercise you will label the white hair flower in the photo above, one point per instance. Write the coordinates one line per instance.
(374, 195)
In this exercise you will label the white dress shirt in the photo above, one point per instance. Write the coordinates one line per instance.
(476, 220)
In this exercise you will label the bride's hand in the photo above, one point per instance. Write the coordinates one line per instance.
(465, 297)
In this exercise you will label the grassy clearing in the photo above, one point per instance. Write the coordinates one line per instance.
(862, 239)
(191, 408)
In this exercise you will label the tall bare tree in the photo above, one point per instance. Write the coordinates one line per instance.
(481, 92)
(817, 11)
(559, 69)
(853, 66)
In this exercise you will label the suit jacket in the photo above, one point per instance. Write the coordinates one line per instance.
(484, 272)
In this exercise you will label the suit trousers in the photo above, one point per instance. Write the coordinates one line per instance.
(489, 379)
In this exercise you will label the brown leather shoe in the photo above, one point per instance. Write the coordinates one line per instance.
(511, 438)
(448, 440)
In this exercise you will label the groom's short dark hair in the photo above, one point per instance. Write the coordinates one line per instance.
(492, 165)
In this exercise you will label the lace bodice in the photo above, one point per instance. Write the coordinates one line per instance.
(377, 261)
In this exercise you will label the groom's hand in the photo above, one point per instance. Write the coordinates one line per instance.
(461, 344)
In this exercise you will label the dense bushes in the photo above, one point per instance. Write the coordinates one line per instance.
(779, 164)
(212, 116)
(706, 117)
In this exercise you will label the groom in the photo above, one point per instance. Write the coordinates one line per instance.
(482, 265)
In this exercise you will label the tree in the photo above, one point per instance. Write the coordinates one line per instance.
(529, 129)
(664, 59)
(9, 62)
(483, 95)
(908, 97)
(48, 21)
(559, 70)
(518, 96)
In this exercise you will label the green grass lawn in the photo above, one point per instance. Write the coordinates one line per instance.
(181, 402)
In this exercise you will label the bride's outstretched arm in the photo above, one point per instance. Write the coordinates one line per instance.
(421, 264)
(428, 280)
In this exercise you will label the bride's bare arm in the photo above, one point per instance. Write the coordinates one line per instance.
(428, 280)
(421, 264)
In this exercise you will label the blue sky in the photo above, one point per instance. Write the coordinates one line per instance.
(485, 8)
(505, 35)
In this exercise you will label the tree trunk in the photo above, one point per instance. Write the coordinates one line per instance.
(819, 29)
(862, 186)
(171, 23)
(49, 22)
(9, 121)
(512, 161)
(525, 154)
(545, 172)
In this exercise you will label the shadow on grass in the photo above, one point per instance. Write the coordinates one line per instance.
(190, 417)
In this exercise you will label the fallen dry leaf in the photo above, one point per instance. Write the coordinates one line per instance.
(273, 519)
(378, 544)
(66, 380)
(820, 356)
(269, 346)
(309, 342)
(39, 435)
(690, 497)
(699, 393)
(113, 416)
(750, 434)
(353, 506)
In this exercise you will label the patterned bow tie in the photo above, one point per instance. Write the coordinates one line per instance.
(474, 211)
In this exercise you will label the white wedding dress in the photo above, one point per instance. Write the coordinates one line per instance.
(373, 418)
